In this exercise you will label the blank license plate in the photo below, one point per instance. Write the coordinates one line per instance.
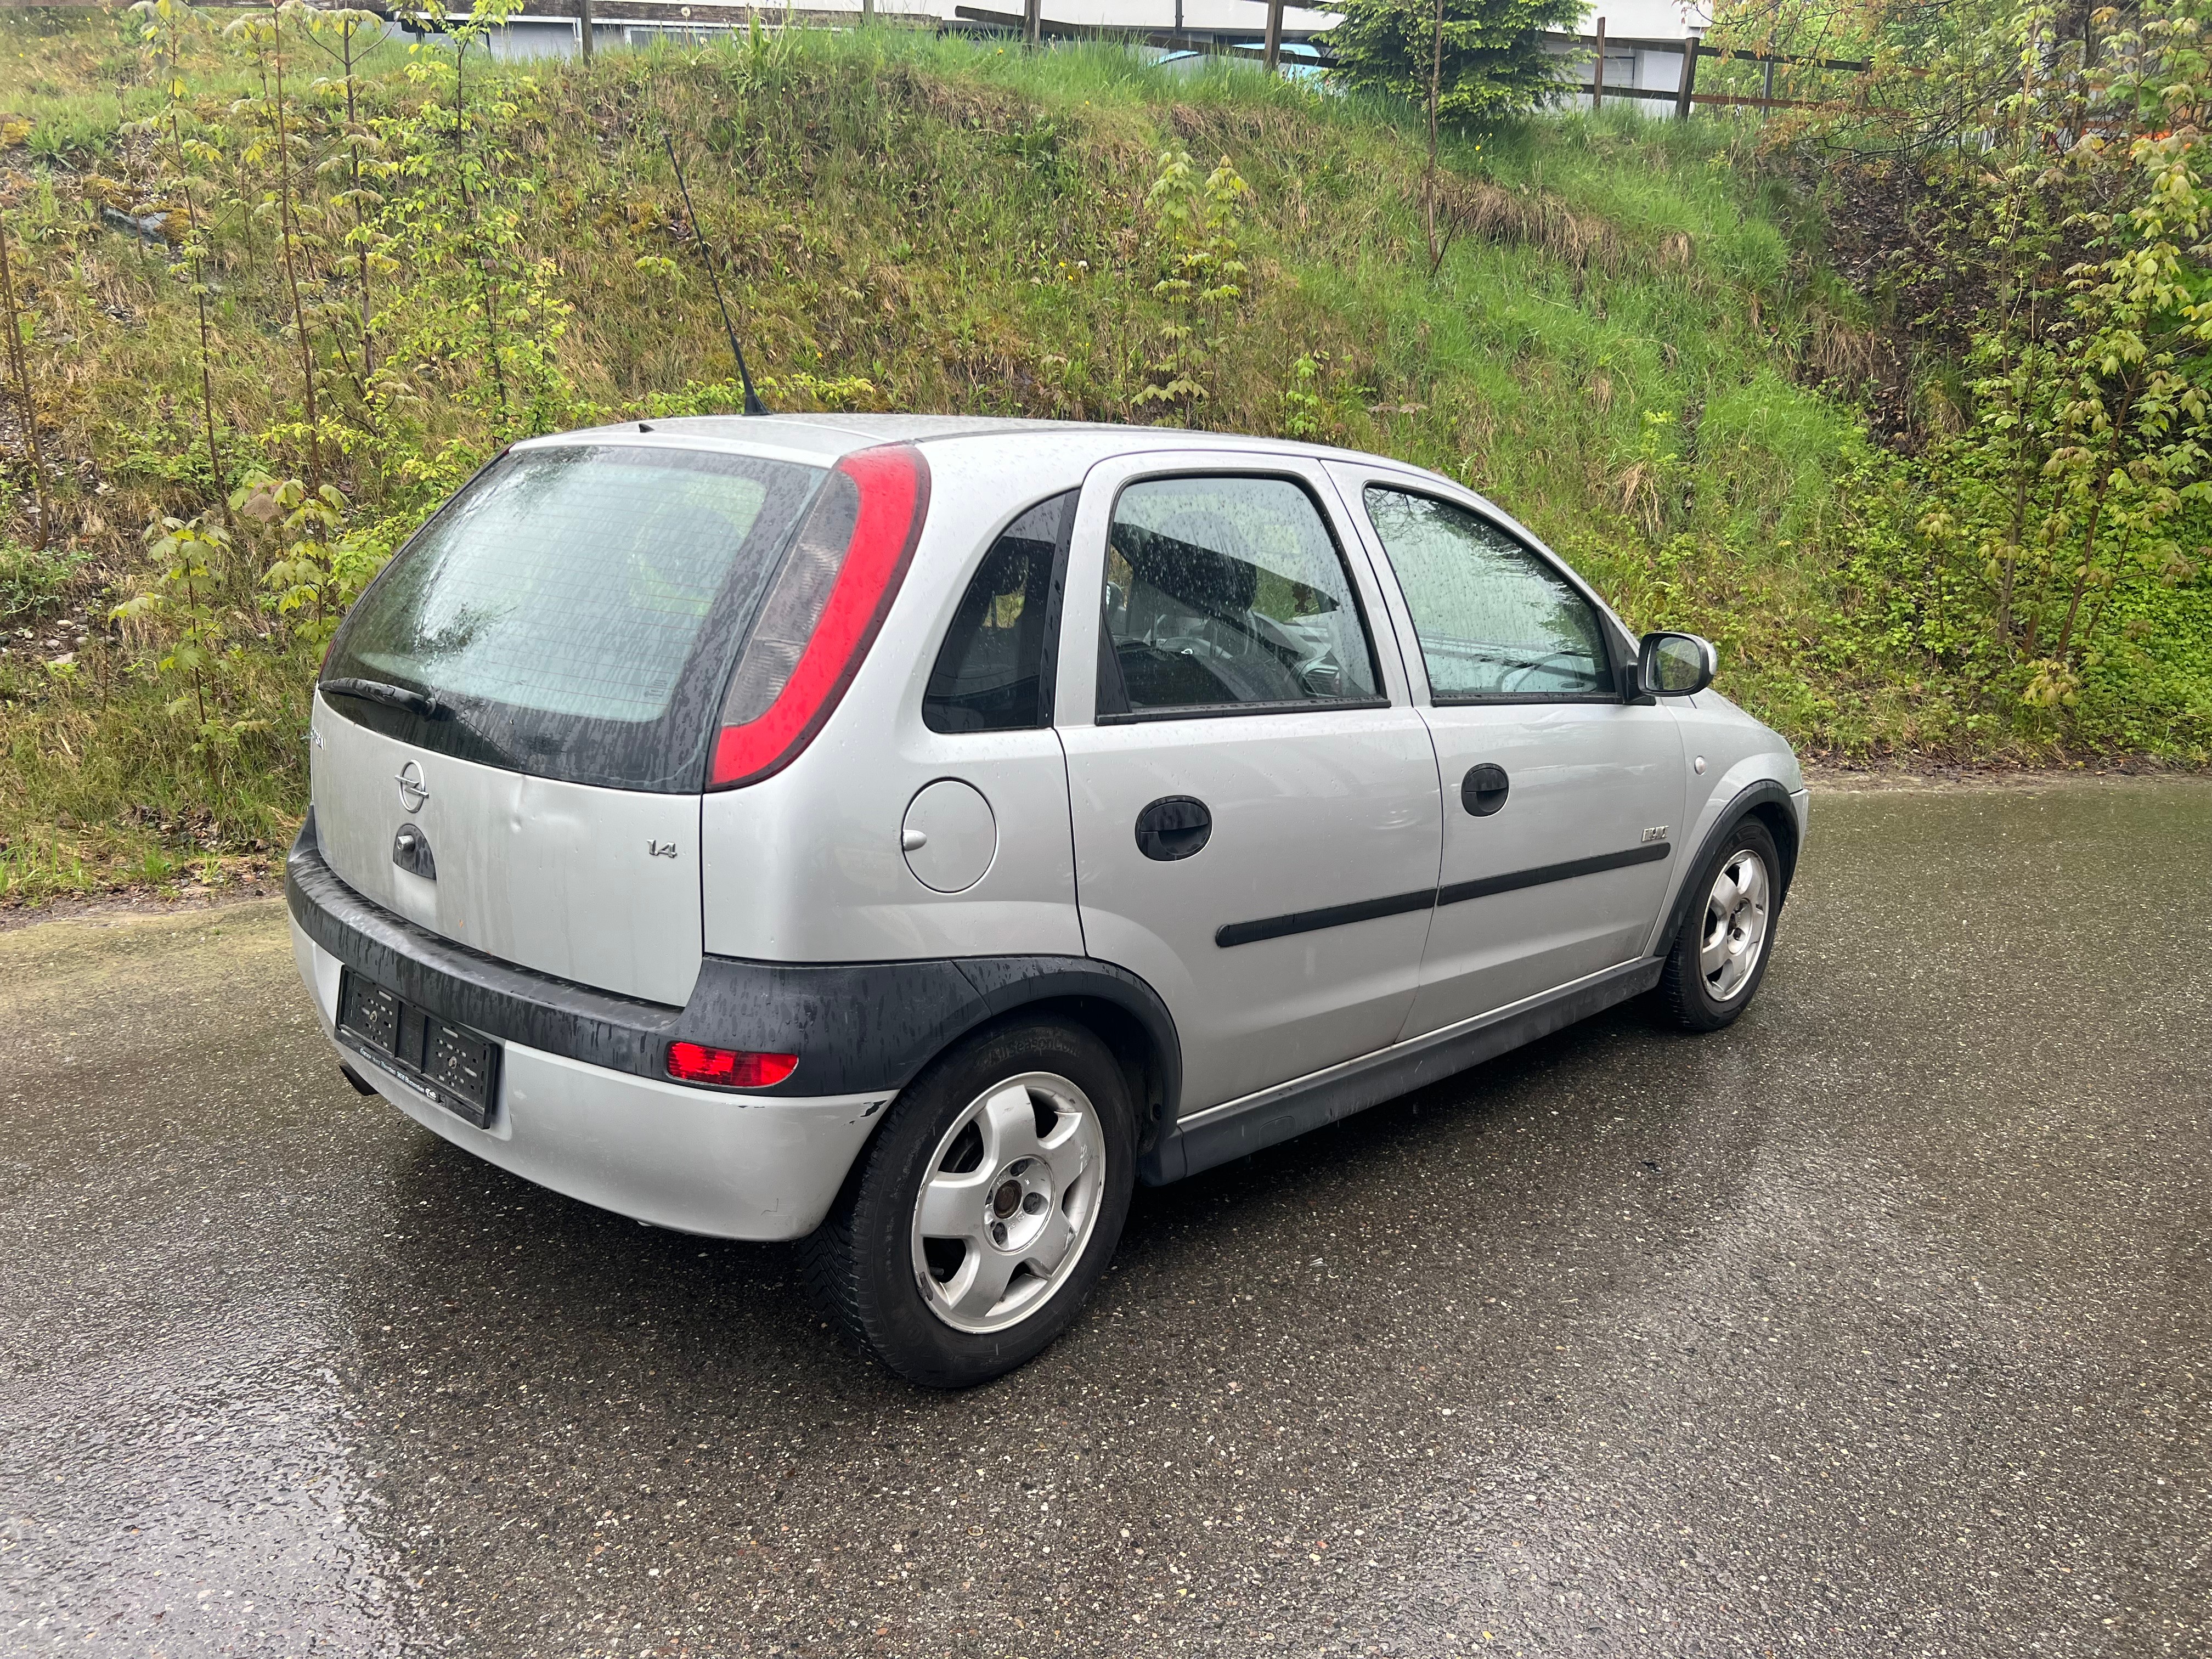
(457, 1069)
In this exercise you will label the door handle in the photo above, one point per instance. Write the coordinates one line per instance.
(1174, 827)
(1484, 789)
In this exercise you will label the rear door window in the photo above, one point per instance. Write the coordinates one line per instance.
(576, 612)
(1227, 594)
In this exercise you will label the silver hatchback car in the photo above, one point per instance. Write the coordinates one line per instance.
(907, 834)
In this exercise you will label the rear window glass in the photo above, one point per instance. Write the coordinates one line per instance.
(576, 610)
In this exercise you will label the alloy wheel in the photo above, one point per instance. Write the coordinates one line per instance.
(1734, 931)
(1008, 1202)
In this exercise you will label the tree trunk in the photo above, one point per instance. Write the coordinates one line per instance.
(200, 278)
(468, 206)
(18, 363)
(291, 264)
(1429, 177)
(2089, 540)
(360, 209)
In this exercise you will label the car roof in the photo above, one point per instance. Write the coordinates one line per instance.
(823, 438)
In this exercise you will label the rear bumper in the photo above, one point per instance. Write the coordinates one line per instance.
(858, 1028)
(585, 1106)
(731, 1165)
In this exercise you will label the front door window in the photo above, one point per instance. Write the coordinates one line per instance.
(1496, 623)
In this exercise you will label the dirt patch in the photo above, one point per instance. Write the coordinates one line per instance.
(258, 879)
(1829, 778)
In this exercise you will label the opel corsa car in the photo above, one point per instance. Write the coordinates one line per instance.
(906, 835)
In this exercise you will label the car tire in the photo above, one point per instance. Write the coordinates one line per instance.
(979, 1218)
(1721, 952)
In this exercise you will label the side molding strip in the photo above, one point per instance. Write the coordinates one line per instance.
(1461, 890)
(1342, 915)
(1336, 915)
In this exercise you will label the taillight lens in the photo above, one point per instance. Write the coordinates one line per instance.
(727, 1068)
(822, 615)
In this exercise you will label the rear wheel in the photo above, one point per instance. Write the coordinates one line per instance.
(982, 1213)
(1720, 954)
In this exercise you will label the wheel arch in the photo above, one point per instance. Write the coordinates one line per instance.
(1765, 799)
(1121, 1010)
(1781, 822)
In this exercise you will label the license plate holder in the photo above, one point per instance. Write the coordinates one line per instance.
(450, 1066)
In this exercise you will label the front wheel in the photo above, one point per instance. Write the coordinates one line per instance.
(983, 1212)
(1720, 954)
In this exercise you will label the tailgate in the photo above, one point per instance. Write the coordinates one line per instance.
(564, 878)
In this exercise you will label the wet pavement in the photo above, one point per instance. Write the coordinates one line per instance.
(1879, 1324)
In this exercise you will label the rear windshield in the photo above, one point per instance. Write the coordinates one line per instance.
(576, 612)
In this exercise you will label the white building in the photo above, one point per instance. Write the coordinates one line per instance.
(553, 30)
(1643, 55)
(1645, 49)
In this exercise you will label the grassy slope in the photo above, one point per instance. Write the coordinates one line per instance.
(1614, 357)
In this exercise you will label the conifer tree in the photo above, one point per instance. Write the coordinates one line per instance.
(1487, 59)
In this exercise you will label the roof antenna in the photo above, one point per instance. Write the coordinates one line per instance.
(753, 404)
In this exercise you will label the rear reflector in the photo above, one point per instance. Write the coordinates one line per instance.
(822, 615)
(727, 1068)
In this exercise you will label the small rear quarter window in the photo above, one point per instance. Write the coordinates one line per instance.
(989, 674)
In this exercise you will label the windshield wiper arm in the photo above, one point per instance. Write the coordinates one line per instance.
(392, 696)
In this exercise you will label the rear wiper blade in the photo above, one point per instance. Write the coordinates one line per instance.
(414, 703)
(392, 696)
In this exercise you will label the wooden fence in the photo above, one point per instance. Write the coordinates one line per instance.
(1692, 51)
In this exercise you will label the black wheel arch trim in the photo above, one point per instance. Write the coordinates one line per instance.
(1766, 792)
(856, 1027)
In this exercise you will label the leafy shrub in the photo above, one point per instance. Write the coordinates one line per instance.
(34, 579)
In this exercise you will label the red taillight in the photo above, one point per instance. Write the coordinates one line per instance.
(727, 1068)
(822, 615)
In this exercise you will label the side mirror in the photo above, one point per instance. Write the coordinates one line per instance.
(1675, 664)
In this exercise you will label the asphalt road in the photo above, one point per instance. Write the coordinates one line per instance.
(1881, 1324)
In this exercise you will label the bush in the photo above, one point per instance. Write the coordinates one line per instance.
(35, 580)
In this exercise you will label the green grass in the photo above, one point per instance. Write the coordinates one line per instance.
(1624, 356)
